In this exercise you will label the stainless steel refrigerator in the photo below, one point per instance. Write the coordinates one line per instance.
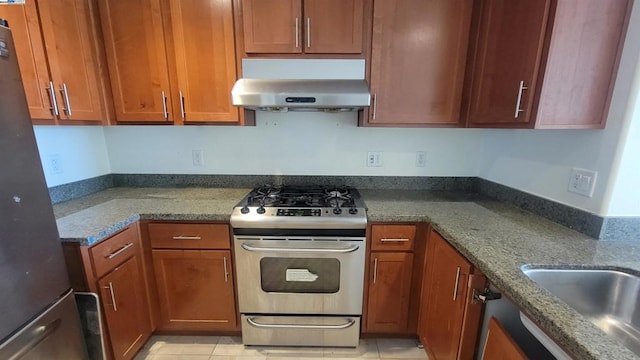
(38, 314)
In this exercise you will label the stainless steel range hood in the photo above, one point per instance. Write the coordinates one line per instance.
(301, 95)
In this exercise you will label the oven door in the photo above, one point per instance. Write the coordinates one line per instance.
(300, 275)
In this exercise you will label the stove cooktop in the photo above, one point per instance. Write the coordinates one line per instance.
(290, 206)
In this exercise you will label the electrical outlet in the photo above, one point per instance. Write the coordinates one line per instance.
(198, 157)
(582, 181)
(55, 164)
(374, 159)
(421, 158)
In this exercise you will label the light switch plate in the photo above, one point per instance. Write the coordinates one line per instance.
(374, 159)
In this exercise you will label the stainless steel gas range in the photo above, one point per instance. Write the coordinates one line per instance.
(300, 253)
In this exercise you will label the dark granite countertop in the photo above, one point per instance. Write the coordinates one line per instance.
(496, 237)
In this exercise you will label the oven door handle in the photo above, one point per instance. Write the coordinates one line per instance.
(349, 249)
(348, 324)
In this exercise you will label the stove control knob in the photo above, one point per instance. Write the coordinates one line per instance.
(245, 210)
(353, 211)
(337, 211)
(261, 210)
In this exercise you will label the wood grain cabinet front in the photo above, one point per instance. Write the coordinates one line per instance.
(303, 26)
(193, 272)
(59, 60)
(544, 64)
(449, 317)
(171, 61)
(394, 278)
(115, 269)
(418, 59)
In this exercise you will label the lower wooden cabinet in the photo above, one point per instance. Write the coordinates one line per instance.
(115, 270)
(193, 274)
(125, 307)
(449, 317)
(499, 345)
(389, 291)
(195, 289)
(394, 277)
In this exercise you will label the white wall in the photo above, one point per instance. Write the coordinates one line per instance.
(293, 144)
(540, 161)
(625, 188)
(81, 153)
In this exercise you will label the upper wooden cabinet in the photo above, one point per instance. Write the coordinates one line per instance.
(134, 42)
(303, 26)
(418, 60)
(545, 64)
(64, 86)
(171, 62)
(449, 317)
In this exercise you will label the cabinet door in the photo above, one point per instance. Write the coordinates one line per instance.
(205, 57)
(419, 82)
(507, 61)
(333, 26)
(389, 291)
(499, 345)
(443, 299)
(135, 47)
(125, 305)
(69, 37)
(25, 27)
(195, 289)
(272, 26)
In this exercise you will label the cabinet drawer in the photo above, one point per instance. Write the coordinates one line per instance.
(113, 251)
(392, 237)
(189, 236)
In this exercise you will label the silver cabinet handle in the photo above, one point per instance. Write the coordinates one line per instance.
(226, 273)
(375, 105)
(297, 33)
(182, 105)
(521, 88)
(455, 289)
(123, 249)
(349, 249)
(394, 240)
(164, 105)
(54, 101)
(67, 103)
(375, 270)
(308, 33)
(181, 237)
(113, 296)
(252, 322)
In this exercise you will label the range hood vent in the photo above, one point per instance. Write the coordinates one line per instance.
(301, 95)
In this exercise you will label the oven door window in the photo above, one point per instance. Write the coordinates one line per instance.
(300, 275)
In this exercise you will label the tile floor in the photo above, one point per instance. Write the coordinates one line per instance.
(231, 348)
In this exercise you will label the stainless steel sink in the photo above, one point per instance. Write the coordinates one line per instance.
(608, 298)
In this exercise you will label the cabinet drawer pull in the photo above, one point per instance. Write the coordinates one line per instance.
(120, 251)
(521, 88)
(182, 237)
(113, 296)
(226, 272)
(308, 33)
(54, 102)
(182, 105)
(67, 103)
(297, 32)
(375, 270)
(455, 289)
(164, 105)
(394, 240)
